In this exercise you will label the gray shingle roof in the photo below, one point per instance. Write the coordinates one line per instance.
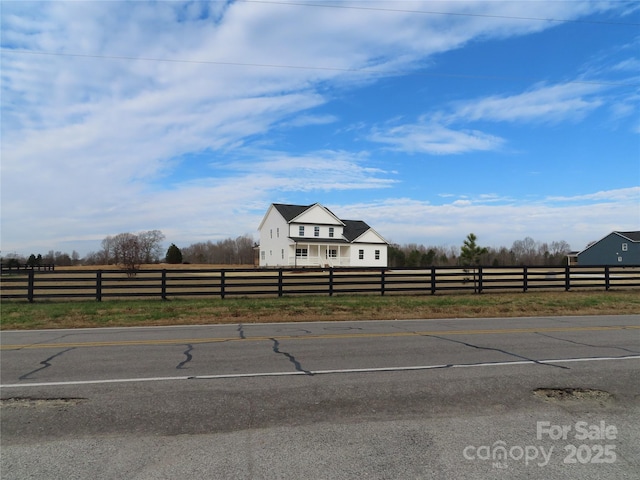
(633, 236)
(354, 228)
(289, 212)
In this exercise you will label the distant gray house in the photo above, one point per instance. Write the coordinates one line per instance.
(617, 248)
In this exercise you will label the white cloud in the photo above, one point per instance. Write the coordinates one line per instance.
(446, 133)
(86, 139)
(569, 101)
(435, 139)
(589, 217)
(623, 194)
(304, 120)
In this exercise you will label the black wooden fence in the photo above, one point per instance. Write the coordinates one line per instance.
(221, 283)
(17, 267)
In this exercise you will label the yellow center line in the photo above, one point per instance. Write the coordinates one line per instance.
(181, 341)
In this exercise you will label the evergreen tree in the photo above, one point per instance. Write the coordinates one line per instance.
(174, 255)
(470, 252)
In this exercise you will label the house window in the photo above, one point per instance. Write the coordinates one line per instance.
(278, 232)
(377, 254)
(263, 254)
(282, 252)
(301, 231)
(271, 233)
(332, 253)
(625, 247)
(301, 252)
(331, 232)
(316, 231)
(361, 254)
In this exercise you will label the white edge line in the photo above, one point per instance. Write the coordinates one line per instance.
(314, 372)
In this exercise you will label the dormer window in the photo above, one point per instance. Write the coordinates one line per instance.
(316, 231)
(301, 231)
(330, 232)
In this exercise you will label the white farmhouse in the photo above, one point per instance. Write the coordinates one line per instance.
(311, 235)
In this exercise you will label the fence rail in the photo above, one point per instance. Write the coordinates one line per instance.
(17, 267)
(33, 285)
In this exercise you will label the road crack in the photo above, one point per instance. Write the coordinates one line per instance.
(292, 359)
(588, 344)
(45, 364)
(500, 350)
(187, 353)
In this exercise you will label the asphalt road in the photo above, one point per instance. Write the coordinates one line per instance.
(462, 398)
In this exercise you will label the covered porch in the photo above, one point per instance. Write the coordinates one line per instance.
(312, 254)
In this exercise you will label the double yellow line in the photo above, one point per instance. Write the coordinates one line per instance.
(183, 341)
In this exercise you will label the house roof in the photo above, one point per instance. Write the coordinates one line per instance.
(633, 236)
(354, 228)
(289, 212)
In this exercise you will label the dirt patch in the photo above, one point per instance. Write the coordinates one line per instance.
(572, 394)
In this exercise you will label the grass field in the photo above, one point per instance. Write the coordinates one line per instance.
(67, 314)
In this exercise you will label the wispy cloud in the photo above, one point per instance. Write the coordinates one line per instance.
(434, 139)
(630, 194)
(448, 132)
(97, 132)
(577, 220)
(549, 104)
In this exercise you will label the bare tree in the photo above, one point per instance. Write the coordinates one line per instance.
(525, 251)
(244, 249)
(108, 251)
(223, 252)
(151, 245)
(127, 250)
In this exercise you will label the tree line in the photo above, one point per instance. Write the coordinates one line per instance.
(522, 252)
(131, 250)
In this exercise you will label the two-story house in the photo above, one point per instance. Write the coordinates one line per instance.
(311, 235)
(617, 248)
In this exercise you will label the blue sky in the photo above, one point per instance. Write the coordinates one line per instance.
(428, 120)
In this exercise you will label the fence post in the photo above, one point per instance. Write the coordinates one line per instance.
(567, 278)
(525, 279)
(280, 283)
(222, 284)
(30, 286)
(479, 279)
(163, 284)
(382, 278)
(433, 280)
(99, 285)
(331, 282)
(607, 282)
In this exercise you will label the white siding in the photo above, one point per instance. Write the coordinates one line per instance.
(294, 230)
(317, 215)
(273, 238)
(370, 237)
(369, 259)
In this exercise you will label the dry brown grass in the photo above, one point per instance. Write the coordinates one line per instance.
(158, 266)
(72, 314)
